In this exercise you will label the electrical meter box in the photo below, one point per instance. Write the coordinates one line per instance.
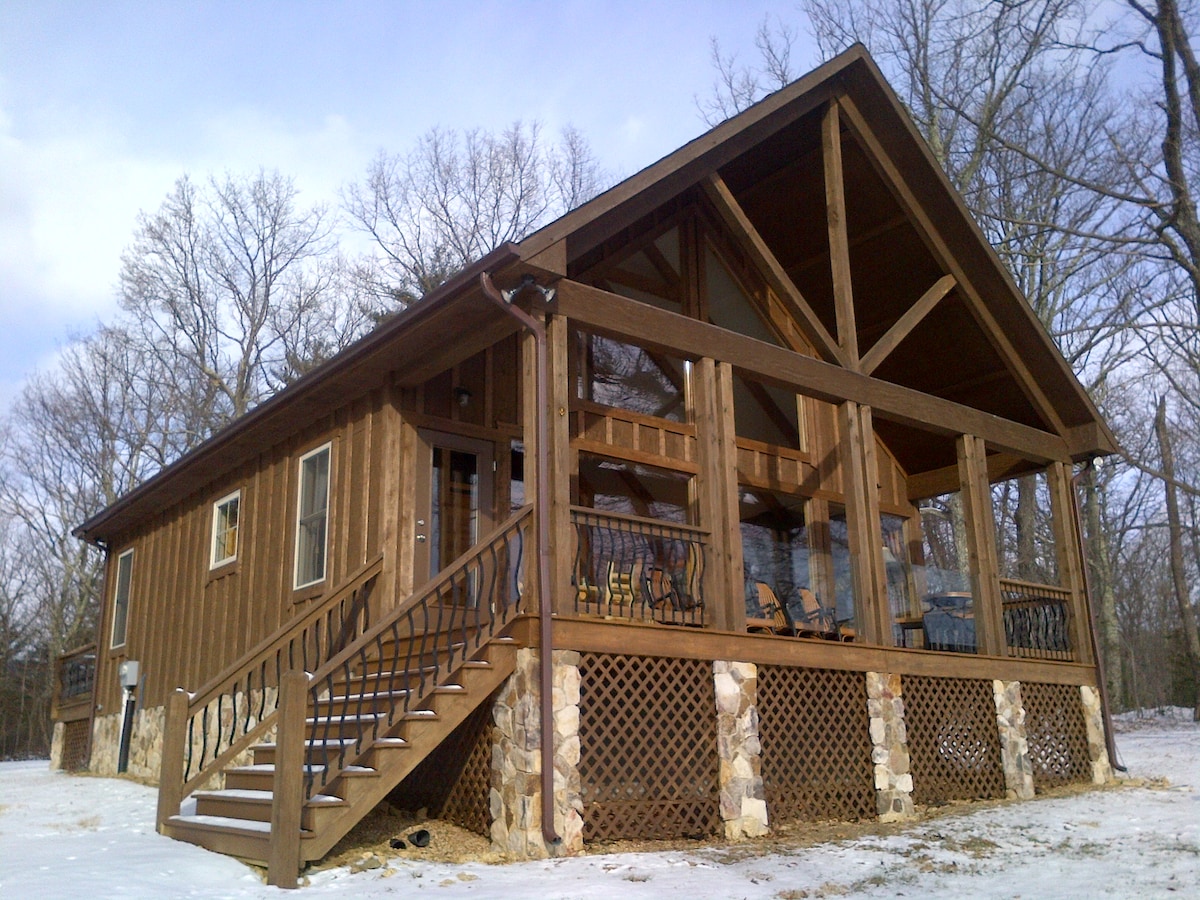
(127, 672)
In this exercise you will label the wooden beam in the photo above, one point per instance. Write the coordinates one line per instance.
(862, 520)
(672, 333)
(562, 535)
(752, 243)
(1070, 566)
(943, 481)
(883, 347)
(981, 546)
(891, 176)
(839, 244)
(716, 493)
(641, 639)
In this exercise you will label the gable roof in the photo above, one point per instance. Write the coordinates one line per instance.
(1018, 373)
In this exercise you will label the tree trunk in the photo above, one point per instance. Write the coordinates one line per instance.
(1178, 578)
(1103, 594)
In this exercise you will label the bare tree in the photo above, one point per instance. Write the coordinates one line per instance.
(232, 289)
(454, 197)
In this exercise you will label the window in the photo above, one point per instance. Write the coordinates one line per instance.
(121, 597)
(312, 517)
(774, 548)
(628, 377)
(225, 530)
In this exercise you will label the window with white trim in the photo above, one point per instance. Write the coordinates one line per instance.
(225, 529)
(312, 516)
(121, 597)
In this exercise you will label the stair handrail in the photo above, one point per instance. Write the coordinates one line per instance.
(328, 625)
(468, 573)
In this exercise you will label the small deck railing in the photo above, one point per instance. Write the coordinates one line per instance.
(206, 730)
(76, 678)
(1037, 620)
(636, 568)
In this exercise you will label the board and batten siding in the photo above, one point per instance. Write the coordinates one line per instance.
(187, 621)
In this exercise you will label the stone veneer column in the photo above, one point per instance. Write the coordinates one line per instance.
(889, 747)
(515, 796)
(739, 774)
(1093, 719)
(1014, 745)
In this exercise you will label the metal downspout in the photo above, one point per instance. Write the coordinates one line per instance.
(546, 662)
(1110, 743)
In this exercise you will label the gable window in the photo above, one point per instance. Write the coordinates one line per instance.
(121, 597)
(312, 516)
(225, 529)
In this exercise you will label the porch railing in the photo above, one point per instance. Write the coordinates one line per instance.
(414, 649)
(204, 731)
(1037, 620)
(638, 568)
(76, 678)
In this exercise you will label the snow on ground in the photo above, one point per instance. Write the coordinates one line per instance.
(64, 836)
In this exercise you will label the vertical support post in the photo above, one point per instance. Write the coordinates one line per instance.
(529, 437)
(562, 537)
(839, 242)
(717, 493)
(170, 773)
(862, 521)
(1067, 546)
(387, 595)
(981, 545)
(283, 863)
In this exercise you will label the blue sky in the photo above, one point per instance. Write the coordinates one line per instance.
(104, 104)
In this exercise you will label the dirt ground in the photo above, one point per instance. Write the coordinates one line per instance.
(368, 844)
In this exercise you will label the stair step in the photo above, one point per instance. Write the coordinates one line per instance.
(224, 823)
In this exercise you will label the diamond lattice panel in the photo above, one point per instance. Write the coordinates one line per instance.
(648, 741)
(75, 745)
(454, 780)
(816, 747)
(1056, 732)
(953, 740)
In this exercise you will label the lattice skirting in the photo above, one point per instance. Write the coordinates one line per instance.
(1057, 734)
(816, 747)
(75, 745)
(953, 742)
(648, 738)
(453, 782)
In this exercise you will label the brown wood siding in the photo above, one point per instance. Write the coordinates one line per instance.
(186, 622)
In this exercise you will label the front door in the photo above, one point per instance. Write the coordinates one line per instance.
(455, 499)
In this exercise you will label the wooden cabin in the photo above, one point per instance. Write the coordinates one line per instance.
(763, 443)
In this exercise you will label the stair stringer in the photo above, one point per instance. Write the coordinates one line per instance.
(421, 737)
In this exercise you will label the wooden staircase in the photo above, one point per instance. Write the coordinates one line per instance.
(236, 820)
(357, 697)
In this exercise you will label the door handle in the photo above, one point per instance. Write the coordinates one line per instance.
(420, 538)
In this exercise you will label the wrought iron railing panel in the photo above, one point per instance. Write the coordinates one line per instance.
(226, 716)
(634, 568)
(363, 692)
(1037, 620)
(76, 674)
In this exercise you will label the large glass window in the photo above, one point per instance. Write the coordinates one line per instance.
(121, 597)
(843, 574)
(617, 486)
(225, 529)
(629, 377)
(774, 551)
(312, 516)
